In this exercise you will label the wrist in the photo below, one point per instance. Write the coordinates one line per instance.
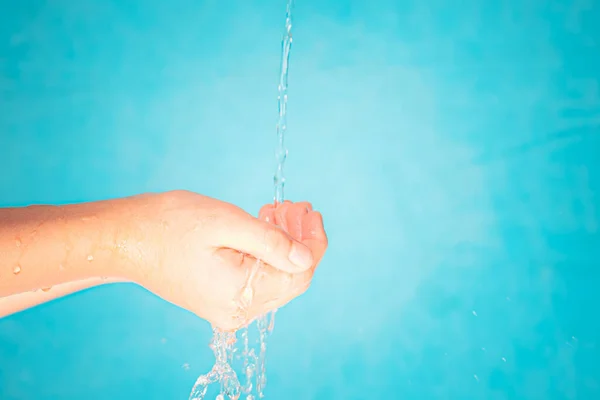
(88, 232)
(135, 234)
(101, 239)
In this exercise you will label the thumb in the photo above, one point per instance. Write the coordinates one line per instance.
(264, 241)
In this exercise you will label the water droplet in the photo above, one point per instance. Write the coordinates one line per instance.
(46, 289)
(18, 242)
(16, 270)
(163, 340)
(186, 366)
(503, 359)
(474, 313)
(483, 349)
(476, 377)
(90, 258)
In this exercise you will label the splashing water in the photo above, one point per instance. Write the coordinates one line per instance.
(223, 346)
(223, 343)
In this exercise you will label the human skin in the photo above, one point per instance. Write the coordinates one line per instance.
(191, 250)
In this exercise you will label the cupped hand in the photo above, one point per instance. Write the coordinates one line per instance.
(198, 253)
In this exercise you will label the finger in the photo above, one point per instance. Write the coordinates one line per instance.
(270, 281)
(313, 235)
(280, 215)
(290, 217)
(281, 212)
(270, 287)
(302, 224)
(267, 213)
(273, 289)
(263, 241)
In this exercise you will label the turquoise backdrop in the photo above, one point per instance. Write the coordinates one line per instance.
(453, 148)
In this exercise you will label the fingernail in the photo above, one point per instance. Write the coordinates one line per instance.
(301, 256)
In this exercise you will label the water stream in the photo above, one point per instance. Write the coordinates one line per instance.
(224, 344)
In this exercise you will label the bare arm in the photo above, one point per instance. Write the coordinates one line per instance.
(192, 250)
(50, 251)
(22, 301)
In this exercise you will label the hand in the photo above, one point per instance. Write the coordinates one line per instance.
(198, 253)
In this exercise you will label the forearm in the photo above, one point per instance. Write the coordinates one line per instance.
(21, 301)
(45, 246)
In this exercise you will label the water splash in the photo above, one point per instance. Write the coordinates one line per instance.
(223, 343)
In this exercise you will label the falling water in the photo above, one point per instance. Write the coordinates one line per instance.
(281, 152)
(265, 323)
(223, 343)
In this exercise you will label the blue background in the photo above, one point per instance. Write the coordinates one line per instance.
(453, 148)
